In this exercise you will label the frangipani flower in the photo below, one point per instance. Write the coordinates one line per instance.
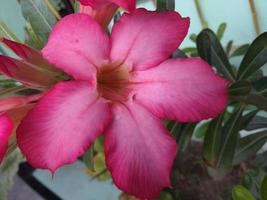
(5, 131)
(122, 87)
(103, 10)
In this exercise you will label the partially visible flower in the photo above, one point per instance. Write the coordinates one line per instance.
(103, 10)
(31, 69)
(122, 87)
(6, 126)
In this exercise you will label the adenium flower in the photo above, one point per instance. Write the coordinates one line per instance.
(121, 86)
(103, 10)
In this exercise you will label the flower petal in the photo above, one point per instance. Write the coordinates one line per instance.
(27, 73)
(62, 125)
(146, 38)
(5, 131)
(77, 45)
(139, 151)
(182, 89)
(128, 5)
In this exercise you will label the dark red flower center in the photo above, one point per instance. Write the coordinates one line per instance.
(113, 82)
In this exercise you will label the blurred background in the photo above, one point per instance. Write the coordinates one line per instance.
(72, 182)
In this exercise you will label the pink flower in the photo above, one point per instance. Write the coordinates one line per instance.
(103, 10)
(5, 131)
(122, 87)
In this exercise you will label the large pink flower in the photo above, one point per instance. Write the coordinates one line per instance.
(122, 86)
(5, 131)
(103, 10)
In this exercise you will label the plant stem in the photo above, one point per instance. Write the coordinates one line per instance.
(200, 14)
(254, 16)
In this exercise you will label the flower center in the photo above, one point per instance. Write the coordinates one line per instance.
(113, 82)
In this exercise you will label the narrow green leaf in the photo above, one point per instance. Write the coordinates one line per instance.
(255, 57)
(228, 146)
(211, 50)
(161, 5)
(179, 54)
(240, 88)
(254, 98)
(170, 4)
(264, 189)
(201, 129)
(247, 118)
(213, 140)
(37, 13)
(164, 5)
(221, 30)
(241, 193)
(88, 159)
(185, 135)
(249, 145)
(6, 32)
(257, 123)
(240, 51)
(8, 170)
(193, 37)
(229, 47)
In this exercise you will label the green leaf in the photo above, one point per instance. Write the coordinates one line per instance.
(88, 159)
(221, 30)
(6, 32)
(239, 88)
(175, 129)
(228, 146)
(37, 13)
(179, 54)
(164, 5)
(247, 118)
(254, 98)
(240, 51)
(241, 193)
(249, 145)
(193, 37)
(164, 196)
(255, 57)
(213, 140)
(185, 135)
(264, 189)
(201, 129)
(211, 50)
(257, 123)
(229, 47)
(8, 170)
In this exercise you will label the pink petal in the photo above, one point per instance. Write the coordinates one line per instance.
(139, 151)
(17, 101)
(27, 73)
(146, 38)
(77, 45)
(182, 89)
(5, 131)
(28, 54)
(62, 125)
(128, 5)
